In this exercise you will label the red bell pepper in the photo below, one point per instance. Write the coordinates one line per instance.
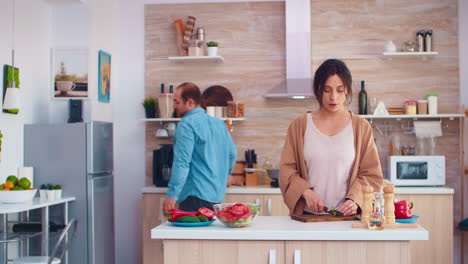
(403, 209)
(173, 214)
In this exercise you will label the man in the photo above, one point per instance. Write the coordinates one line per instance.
(204, 155)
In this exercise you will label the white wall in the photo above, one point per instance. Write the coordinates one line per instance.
(129, 130)
(31, 27)
(70, 29)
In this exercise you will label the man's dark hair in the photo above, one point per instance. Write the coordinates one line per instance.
(190, 90)
(329, 68)
(216, 95)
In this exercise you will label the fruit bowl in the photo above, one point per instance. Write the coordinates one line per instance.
(236, 214)
(17, 196)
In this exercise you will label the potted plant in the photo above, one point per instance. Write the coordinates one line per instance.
(64, 82)
(58, 192)
(50, 193)
(150, 106)
(212, 47)
(43, 192)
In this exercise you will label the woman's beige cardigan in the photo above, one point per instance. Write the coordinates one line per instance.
(293, 179)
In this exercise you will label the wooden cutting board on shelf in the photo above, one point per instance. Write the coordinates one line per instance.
(322, 218)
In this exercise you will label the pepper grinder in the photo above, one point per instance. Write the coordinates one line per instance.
(389, 207)
(367, 192)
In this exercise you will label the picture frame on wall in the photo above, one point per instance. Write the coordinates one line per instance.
(104, 77)
(69, 73)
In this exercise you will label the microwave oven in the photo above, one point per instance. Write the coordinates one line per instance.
(416, 170)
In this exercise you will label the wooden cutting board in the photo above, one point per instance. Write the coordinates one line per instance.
(322, 218)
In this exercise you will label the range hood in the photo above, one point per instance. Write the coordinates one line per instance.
(298, 83)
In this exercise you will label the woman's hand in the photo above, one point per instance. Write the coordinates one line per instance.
(313, 201)
(349, 207)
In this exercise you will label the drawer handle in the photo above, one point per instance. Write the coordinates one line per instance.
(257, 201)
(272, 256)
(269, 206)
(297, 256)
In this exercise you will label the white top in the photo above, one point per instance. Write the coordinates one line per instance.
(329, 160)
(260, 189)
(34, 204)
(284, 228)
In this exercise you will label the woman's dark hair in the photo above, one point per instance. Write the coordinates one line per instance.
(190, 90)
(216, 95)
(329, 68)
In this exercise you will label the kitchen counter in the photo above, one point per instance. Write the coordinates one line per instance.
(284, 228)
(278, 239)
(269, 190)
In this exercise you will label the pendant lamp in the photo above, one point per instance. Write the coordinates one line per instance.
(11, 102)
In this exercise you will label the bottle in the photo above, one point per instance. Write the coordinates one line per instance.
(420, 38)
(363, 100)
(428, 41)
(162, 88)
(200, 33)
(267, 165)
(171, 88)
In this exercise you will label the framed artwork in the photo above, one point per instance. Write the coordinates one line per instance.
(69, 73)
(7, 77)
(104, 77)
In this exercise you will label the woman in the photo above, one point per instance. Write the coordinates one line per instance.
(329, 153)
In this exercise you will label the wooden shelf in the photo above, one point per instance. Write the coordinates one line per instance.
(178, 119)
(415, 117)
(196, 58)
(411, 54)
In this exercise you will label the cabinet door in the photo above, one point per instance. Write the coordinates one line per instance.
(351, 252)
(435, 213)
(152, 217)
(246, 198)
(223, 251)
(274, 205)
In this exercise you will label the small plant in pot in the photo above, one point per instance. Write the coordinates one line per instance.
(63, 81)
(212, 47)
(150, 104)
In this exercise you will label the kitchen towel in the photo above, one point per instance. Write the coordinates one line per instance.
(427, 129)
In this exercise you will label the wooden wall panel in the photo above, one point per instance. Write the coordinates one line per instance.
(253, 29)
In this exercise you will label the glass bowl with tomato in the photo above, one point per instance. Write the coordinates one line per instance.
(236, 214)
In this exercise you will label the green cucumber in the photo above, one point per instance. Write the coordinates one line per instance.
(188, 219)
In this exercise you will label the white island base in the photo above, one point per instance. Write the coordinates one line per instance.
(280, 240)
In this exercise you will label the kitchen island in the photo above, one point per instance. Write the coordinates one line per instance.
(278, 239)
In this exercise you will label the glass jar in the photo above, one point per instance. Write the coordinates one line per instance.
(410, 107)
(377, 217)
(235, 109)
(432, 103)
(195, 48)
(422, 107)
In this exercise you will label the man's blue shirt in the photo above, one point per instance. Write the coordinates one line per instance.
(204, 155)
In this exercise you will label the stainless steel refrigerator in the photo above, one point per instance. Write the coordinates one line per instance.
(78, 156)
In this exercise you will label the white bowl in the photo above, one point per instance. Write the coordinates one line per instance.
(17, 196)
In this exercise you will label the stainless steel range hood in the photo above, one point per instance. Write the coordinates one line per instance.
(298, 83)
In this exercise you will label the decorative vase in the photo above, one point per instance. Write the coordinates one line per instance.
(212, 51)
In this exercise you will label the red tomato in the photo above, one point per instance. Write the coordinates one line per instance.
(237, 210)
(206, 212)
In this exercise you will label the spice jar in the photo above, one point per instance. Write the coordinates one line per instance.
(422, 107)
(432, 103)
(235, 109)
(410, 107)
